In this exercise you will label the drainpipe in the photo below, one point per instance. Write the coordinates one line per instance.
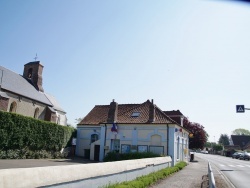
(167, 139)
(105, 138)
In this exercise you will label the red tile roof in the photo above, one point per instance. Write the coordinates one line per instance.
(99, 114)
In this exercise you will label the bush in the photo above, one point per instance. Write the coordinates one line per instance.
(25, 137)
(114, 156)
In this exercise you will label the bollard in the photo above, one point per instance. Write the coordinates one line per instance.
(191, 156)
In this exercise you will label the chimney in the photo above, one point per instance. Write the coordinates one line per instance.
(113, 111)
(151, 112)
(33, 73)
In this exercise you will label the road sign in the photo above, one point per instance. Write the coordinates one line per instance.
(240, 108)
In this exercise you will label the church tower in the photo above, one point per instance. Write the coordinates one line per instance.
(33, 73)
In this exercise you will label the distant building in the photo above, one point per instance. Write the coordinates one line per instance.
(243, 141)
(24, 94)
(128, 128)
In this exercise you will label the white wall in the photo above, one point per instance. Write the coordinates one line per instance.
(83, 175)
(83, 138)
(137, 134)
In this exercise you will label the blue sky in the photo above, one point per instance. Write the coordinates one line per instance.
(187, 55)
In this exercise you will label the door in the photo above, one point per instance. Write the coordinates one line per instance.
(97, 152)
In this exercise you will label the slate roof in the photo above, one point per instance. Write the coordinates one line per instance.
(173, 113)
(99, 114)
(15, 83)
(241, 140)
(3, 94)
(54, 102)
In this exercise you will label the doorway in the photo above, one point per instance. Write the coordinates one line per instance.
(97, 152)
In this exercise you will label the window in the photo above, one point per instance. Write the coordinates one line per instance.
(13, 107)
(30, 73)
(94, 137)
(125, 148)
(58, 119)
(115, 145)
(157, 149)
(178, 148)
(36, 113)
(142, 148)
(135, 114)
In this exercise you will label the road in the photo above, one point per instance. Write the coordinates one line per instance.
(236, 171)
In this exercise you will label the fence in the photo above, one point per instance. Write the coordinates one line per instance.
(211, 177)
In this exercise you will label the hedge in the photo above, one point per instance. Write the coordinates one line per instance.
(19, 134)
(114, 156)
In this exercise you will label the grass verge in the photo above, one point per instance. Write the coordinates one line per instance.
(150, 179)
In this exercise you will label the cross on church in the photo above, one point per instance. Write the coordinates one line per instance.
(36, 57)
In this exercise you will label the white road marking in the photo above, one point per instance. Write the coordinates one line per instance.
(240, 166)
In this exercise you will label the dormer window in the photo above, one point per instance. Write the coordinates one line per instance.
(135, 114)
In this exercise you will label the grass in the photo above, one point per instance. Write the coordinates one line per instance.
(150, 179)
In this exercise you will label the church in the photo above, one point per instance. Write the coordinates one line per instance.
(24, 94)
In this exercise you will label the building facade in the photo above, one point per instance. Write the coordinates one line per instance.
(128, 128)
(24, 94)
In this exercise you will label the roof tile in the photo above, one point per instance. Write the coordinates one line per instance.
(99, 114)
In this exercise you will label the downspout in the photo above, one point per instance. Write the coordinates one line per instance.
(167, 139)
(105, 138)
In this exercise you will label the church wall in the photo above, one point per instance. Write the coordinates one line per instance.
(26, 106)
(4, 103)
(61, 119)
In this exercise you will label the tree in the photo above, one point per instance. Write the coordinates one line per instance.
(224, 139)
(241, 131)
(198, 136)
(209, 144)
(217, 147)
(78, 120)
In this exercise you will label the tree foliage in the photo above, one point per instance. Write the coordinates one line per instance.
(78, 120)
(209, 144)
(224, 139)
(217, 147)
(241, 131)
(198, 136)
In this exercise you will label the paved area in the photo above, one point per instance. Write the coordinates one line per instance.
(191, 177)
(29, 163)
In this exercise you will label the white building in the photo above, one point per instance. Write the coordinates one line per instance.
(129, 128)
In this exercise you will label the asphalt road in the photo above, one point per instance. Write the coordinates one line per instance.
(236, 171)
(29, 163)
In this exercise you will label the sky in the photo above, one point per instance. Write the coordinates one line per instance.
(191, 56)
